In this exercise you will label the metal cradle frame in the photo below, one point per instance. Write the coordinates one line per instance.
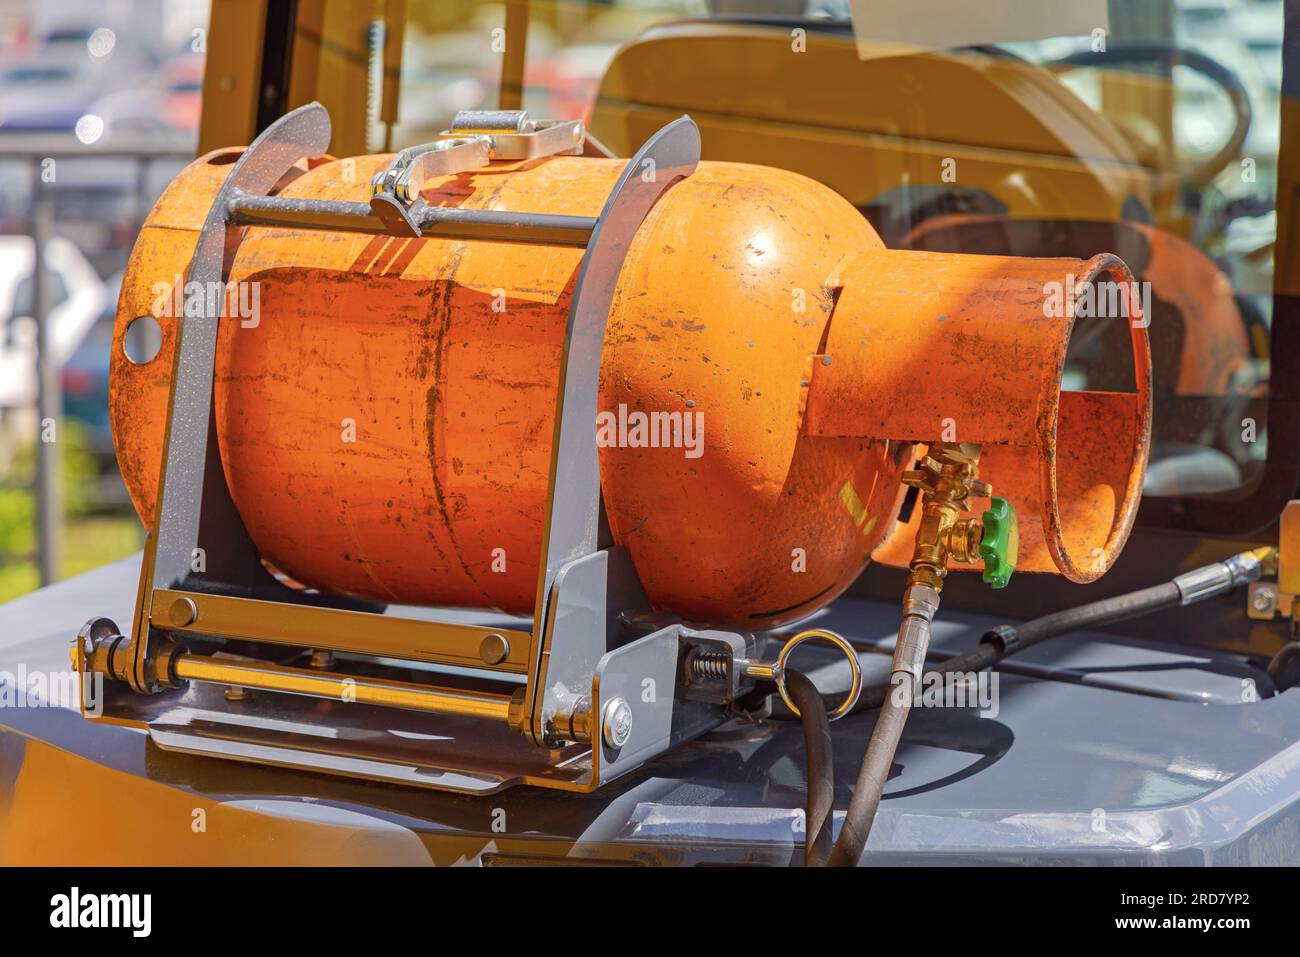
(602, 680)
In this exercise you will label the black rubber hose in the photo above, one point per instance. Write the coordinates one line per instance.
(821, 772)
(1006, 640)
(895, 699)
(1284, 668)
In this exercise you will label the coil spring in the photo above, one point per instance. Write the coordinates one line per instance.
(710, 664)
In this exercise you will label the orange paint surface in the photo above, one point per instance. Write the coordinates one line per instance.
(385, 425)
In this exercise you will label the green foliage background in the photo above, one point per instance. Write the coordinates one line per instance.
(92, 533)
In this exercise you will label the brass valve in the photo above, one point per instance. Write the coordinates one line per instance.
(947, 477)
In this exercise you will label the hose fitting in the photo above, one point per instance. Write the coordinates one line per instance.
(920, 602)
(1210, 580)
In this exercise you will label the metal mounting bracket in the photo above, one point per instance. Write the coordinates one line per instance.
(555, 677)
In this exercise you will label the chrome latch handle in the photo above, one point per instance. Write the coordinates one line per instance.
(419, 164)
(476, 138)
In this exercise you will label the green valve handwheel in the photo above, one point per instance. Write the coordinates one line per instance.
(1001, 542)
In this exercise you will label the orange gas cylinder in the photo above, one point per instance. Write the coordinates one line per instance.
(384, 406)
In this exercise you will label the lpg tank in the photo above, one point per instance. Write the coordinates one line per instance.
(384, 406)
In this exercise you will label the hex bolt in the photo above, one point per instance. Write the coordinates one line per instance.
(1263, 599)
(616, 722)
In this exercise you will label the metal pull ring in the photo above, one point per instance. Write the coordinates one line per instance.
(778, 671)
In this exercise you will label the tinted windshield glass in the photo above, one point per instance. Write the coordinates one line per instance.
(1050, 129)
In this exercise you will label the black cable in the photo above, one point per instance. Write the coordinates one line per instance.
(895, 699)
(1284, 667)
(821, 772)
(1006, 640)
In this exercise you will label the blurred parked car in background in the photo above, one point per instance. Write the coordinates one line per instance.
(84, 375)
(77, 296)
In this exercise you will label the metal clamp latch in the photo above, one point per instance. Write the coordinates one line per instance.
(702, 665)
(477, 137)
(418, 164)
